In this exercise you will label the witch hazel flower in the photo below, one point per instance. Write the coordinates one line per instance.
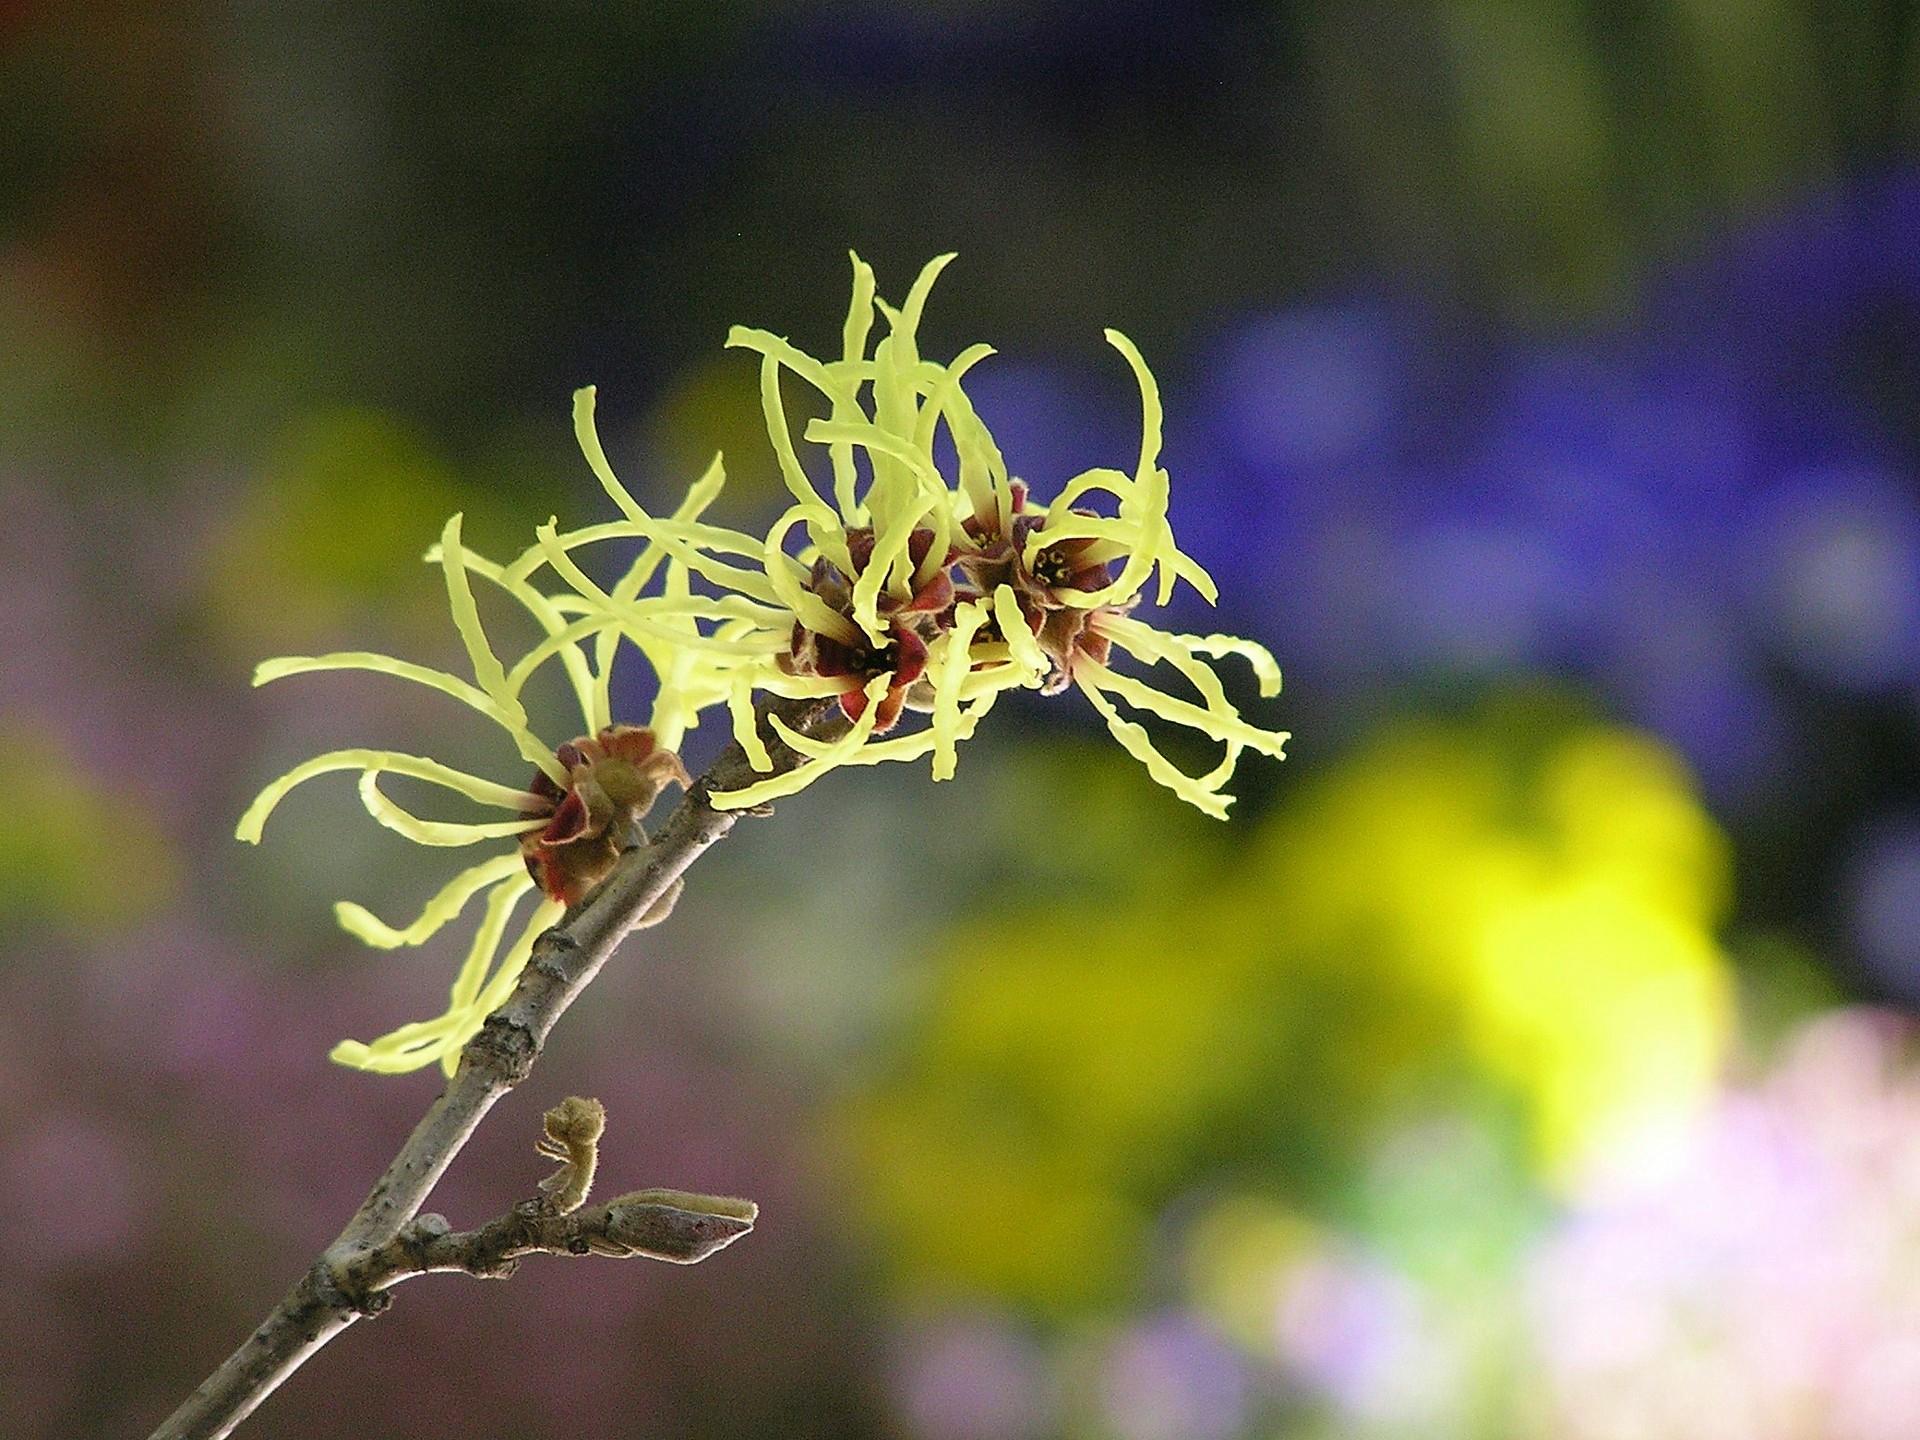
(897, 589)
(903, 588)
(1057, 562)
(581, 809)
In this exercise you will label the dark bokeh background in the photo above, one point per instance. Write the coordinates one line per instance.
(1527, 1057)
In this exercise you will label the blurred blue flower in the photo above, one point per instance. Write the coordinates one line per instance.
(1832, 569)
(1051, 422)
(1688, 514)
(1305, 390)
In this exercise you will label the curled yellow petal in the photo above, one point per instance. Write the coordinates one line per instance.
(1021, 645)
(947, 670)
(1220, 724)
(1265, 668)
(915, 746)
(470, 984)
(746, 726)
(587, 434)
(500, 985)
(267, 671)
(422, 1042)
(1133, 739)
(487, 669)
(438, 912)
(486, 792)
(434, 832)
(808, 608)
(824, 756)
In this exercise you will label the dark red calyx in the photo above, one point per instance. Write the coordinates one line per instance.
(613, 779)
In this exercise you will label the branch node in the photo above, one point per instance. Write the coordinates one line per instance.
(553, 956)
(343, 1295)
(506, 1047)
(417, 1239)
(558, 938)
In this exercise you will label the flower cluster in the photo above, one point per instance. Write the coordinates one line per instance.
(914, 590)
(894, 588)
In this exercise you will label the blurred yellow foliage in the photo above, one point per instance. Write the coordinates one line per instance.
(713, 407)
(75, 855)
(1526, 897)
(1235, 1255)
(1558, 897)
(334, 526)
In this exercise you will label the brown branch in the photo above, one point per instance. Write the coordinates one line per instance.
(334, 1292)
(669, 1225)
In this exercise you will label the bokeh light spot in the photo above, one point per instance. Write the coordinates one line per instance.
(973, 1376)
(76, 853)
(1883, 902)
(1170, 1378)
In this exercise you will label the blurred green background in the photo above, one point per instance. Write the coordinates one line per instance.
(1529, 1055)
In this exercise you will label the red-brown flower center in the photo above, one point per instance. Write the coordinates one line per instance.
(613, 779)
